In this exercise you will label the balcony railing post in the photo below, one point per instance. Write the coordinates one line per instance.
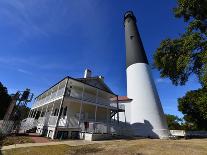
(41, 111)
(44, 101)
(29, 113)
(57, 90)
(36, 113)
(46, 117)
(33, 113)
(51, 94)
(97, 91)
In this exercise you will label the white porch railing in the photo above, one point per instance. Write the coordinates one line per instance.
(99, 127)
(52, 120)
(121, 106)
(73, 121)
(41, 121)
(28, 123)
(6, 126)
(77, 94)
(49, 98)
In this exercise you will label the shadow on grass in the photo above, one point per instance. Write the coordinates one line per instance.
(1, 144)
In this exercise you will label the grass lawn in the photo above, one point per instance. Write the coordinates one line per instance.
(15, 140)
(123, 147)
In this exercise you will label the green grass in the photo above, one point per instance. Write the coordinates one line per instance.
(120, 147)
(54, 150)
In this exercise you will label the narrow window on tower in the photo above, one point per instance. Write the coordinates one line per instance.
(131, 37)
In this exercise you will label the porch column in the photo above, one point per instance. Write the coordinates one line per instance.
(46, 116)
(46, 109)
(57, 89)
(52, 108)
(30, 113)
(81, 106)
(61, 104)
(125, 116)
(117, 101)
(49, 118)
(41, 111)
(33, 113)
(96, 102)
(96, 112)
(36, 113)
(107, 120)
(68, 114)
(51, 94)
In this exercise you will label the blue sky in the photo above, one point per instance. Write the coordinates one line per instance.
(42, 41)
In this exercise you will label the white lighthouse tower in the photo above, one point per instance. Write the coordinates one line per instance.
(146, 114)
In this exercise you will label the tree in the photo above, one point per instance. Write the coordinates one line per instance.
(5, 100)
(179, 58)
(186, 55)
(173, 122)
(194, 107)
(24, 111)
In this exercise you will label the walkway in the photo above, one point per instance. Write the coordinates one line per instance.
(38, 139)
(68, 142)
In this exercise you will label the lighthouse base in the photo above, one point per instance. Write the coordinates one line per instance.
(145, 113)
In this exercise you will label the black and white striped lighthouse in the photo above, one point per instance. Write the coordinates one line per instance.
(146, 114)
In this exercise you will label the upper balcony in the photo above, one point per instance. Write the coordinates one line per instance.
(75, 90)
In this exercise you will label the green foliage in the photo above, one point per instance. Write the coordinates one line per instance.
(178, 58)
(193, 11)
(181, 57)
(5, 100)
(24, 111)
(173, 122)
(194, 107)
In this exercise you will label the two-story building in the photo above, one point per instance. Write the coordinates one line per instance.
(73, 107)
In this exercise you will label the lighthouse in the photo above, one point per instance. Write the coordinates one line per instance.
(146, 114)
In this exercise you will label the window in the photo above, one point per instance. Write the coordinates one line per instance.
(61, 111)
(43, 114)
(56, 112)
(131, 37)
(65, 111)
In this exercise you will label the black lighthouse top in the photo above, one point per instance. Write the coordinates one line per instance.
(131, 15)
(135, 52)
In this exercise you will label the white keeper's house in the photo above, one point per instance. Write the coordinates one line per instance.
(75, 108)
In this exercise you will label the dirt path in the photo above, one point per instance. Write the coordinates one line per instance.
(68, 142)
(37, 139)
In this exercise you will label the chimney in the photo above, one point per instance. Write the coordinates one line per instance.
(87, 73)
(101, 77)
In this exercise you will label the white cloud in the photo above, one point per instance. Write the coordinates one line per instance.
(33, 18)
(161, 80)
(24, 71)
